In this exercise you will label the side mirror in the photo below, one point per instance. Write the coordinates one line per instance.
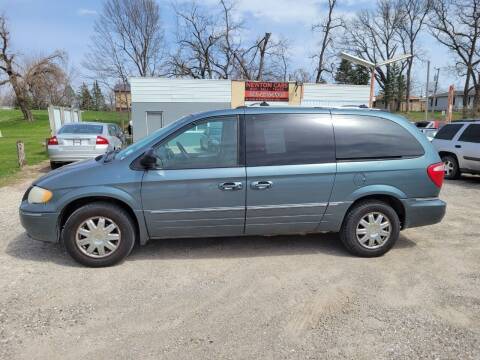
(148, 160)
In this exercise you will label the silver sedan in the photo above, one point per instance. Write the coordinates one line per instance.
(85, 140)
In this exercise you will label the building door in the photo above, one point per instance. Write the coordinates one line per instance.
(291, 168)
(198, 188)
(153, 121)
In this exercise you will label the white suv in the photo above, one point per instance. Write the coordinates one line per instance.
(458, 144)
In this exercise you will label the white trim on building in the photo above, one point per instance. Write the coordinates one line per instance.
(335, 95)
(145, 90)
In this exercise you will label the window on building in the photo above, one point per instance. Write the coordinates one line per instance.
(369, 137)
(447, 132)
(288, 139)
(471, 134)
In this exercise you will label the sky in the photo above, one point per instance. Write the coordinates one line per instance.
(41, 26)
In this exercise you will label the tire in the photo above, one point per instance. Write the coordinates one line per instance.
(452, 170)
(107, 245)
(372, 243)
(54, 165)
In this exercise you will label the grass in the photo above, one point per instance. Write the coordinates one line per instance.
(13, 128)
(420, 115)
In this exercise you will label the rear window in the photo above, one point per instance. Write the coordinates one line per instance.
(369, 137)
(471, 134)
(81, 129)
(447, 132)
(289, 139)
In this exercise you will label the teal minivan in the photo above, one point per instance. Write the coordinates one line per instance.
(267, 171)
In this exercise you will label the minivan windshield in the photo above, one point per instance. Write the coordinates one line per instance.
(147, 139)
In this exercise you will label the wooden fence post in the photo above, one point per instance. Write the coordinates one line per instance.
(21, 153)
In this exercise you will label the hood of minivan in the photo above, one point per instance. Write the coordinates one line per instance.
(81, 173)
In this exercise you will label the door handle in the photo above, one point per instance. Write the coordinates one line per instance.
(261, 185)
(230, 186)
(458, 146)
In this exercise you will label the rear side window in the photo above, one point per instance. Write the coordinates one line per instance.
(368, 137)
(288, 139)
(448, 131)
(471, 134)
(81, 129)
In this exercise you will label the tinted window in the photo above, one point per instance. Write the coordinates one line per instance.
(284, 139)
(447, 132)
(81, 129)
(471, 134)
(368, 137)
(194, 148)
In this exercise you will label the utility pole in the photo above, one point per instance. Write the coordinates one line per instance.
(426, 90)
(435, 92)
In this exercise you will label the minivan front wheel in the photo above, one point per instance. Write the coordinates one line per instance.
(99, 234)
(370, 228)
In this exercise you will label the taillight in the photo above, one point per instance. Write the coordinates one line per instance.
(52, 141)
(101, 140)
(436, 173)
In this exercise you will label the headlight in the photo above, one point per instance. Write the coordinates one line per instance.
(37, 195)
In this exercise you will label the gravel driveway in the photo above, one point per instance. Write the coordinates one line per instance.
(285, 297)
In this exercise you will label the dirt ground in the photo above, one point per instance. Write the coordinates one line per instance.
(248, 298)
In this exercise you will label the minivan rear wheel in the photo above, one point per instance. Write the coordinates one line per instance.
(370, 228)
(452, 170)
(99, 234)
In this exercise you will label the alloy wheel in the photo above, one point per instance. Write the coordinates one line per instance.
(449, 167)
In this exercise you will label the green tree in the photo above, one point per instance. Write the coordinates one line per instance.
(354, 75)
(98, 100)
(360, 75)
(85, 99)
(344, 72)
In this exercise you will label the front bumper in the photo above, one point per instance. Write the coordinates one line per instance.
(423, 211)
(40, 226)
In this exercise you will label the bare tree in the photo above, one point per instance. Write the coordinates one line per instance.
(415, 15)
(210, 46)
(326, 29)
(266, 59)
(23, 78)
(48, 83)
(456, 24)
(128, 41)
(373, 35)
(197, 35)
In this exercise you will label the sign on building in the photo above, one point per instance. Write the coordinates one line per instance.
(266, 91)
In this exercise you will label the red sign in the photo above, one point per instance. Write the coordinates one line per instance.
(266, 91)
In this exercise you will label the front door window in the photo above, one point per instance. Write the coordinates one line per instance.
(209, 143)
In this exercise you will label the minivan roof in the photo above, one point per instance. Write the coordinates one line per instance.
(301, 110)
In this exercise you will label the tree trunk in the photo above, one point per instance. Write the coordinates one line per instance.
(22, 100)
(476, 102)
(23, 105)
(465, 95)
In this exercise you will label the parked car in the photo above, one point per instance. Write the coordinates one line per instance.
(429, 132)
(84, 140)
(458, 145)
(276, 171)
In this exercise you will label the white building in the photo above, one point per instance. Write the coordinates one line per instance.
(157, 102)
